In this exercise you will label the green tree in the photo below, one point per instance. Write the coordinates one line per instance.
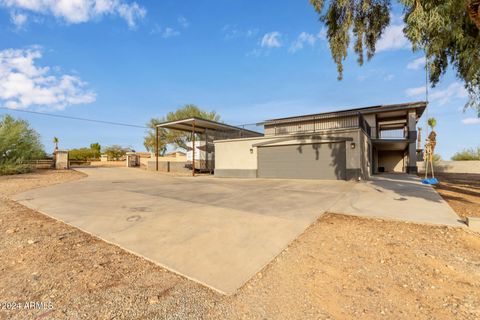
(432, 123)
(467, 154)
(116, 152)
(83, 154)
(18, 143)
(178, 138)
(96, 149)
(447, 31)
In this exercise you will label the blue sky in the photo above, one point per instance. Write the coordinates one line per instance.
(126, 61)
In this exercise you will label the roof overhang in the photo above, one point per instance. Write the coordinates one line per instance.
(400, 109)
(199, 125)
(390, 144)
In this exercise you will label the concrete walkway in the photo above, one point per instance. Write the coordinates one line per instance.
(397, 197)
(220, 232)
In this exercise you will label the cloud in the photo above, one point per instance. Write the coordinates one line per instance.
(271, 40)
(442, 96)
(393, 39)
(18, 19)
(416, 64)
(79, 11)
(183, 22)
(471, 121)
(414, 92)
(24, 84)
(170, 32)
(232, 32)
(302, 39)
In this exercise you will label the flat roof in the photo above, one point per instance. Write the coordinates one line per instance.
(419, 105)
(201, 125)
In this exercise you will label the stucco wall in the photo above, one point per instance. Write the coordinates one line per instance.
(238, 157)
(392, 161)
(453, 166)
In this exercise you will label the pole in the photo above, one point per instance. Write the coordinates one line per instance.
(193, 149)
(156, 148)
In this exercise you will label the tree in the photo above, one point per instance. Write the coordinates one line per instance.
(116, 152)
(18, 143)
(55, 142)
(82, 154)
(447, 30)
(178, 138)
(96, 149)
(467, 154)
(432, 137)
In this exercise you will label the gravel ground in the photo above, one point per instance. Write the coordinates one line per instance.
(342, 267)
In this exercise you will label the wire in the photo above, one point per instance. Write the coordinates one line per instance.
(77, 118)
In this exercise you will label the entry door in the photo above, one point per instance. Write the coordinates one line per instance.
(303, 161)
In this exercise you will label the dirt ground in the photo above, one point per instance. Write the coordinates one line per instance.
(342, 267)
(461, 191)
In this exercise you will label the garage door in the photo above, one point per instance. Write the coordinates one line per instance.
(305, 161)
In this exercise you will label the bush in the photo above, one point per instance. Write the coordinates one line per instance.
(13, 168)
(82, 154)
(18, 143)
(467, 154)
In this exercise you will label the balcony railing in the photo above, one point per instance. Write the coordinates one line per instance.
(393, 134)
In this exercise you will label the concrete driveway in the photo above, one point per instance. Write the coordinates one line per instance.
(220, 232)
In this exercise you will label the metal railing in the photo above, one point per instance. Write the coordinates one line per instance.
(393, 134)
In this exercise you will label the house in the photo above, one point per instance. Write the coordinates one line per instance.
(347, 145)
(176, 154)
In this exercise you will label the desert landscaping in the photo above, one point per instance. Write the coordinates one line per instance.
(341, 267)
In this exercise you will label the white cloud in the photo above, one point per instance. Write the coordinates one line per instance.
(393, 39)
(416, 64)
(302, 39)
(442, 96)
(78, 11)
(183, 22)
(271, 40)
(471, 121)
(24, 84)
(18, 19)
(415, 92)
(170, 32)
(232, 32)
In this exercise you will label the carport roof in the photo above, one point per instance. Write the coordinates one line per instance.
(200, 125)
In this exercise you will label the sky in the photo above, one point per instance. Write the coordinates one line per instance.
(129, 61)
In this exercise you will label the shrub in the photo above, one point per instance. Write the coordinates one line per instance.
(467, 154)
(82, 154)
(18, 142)
(15, 168)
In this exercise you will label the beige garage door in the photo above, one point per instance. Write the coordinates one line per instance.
(304, 161)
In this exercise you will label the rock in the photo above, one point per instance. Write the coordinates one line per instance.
(32, 241)
(10, 231)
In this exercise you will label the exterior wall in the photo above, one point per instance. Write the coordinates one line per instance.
(167, 166)
(365, 155)
(238, 157)
(310, 126)
(412, 145)
(392, 161)
(371, 119)
(453, 166)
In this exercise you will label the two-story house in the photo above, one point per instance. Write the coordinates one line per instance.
(347, 144)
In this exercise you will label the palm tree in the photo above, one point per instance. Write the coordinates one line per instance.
(55, 141)
(432, 137)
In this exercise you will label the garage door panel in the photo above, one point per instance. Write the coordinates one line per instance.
(306, 161)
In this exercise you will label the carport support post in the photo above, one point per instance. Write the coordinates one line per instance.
(193, 148)
(156, 148)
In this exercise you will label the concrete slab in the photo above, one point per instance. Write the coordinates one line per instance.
(219, 232)
(398, 197)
